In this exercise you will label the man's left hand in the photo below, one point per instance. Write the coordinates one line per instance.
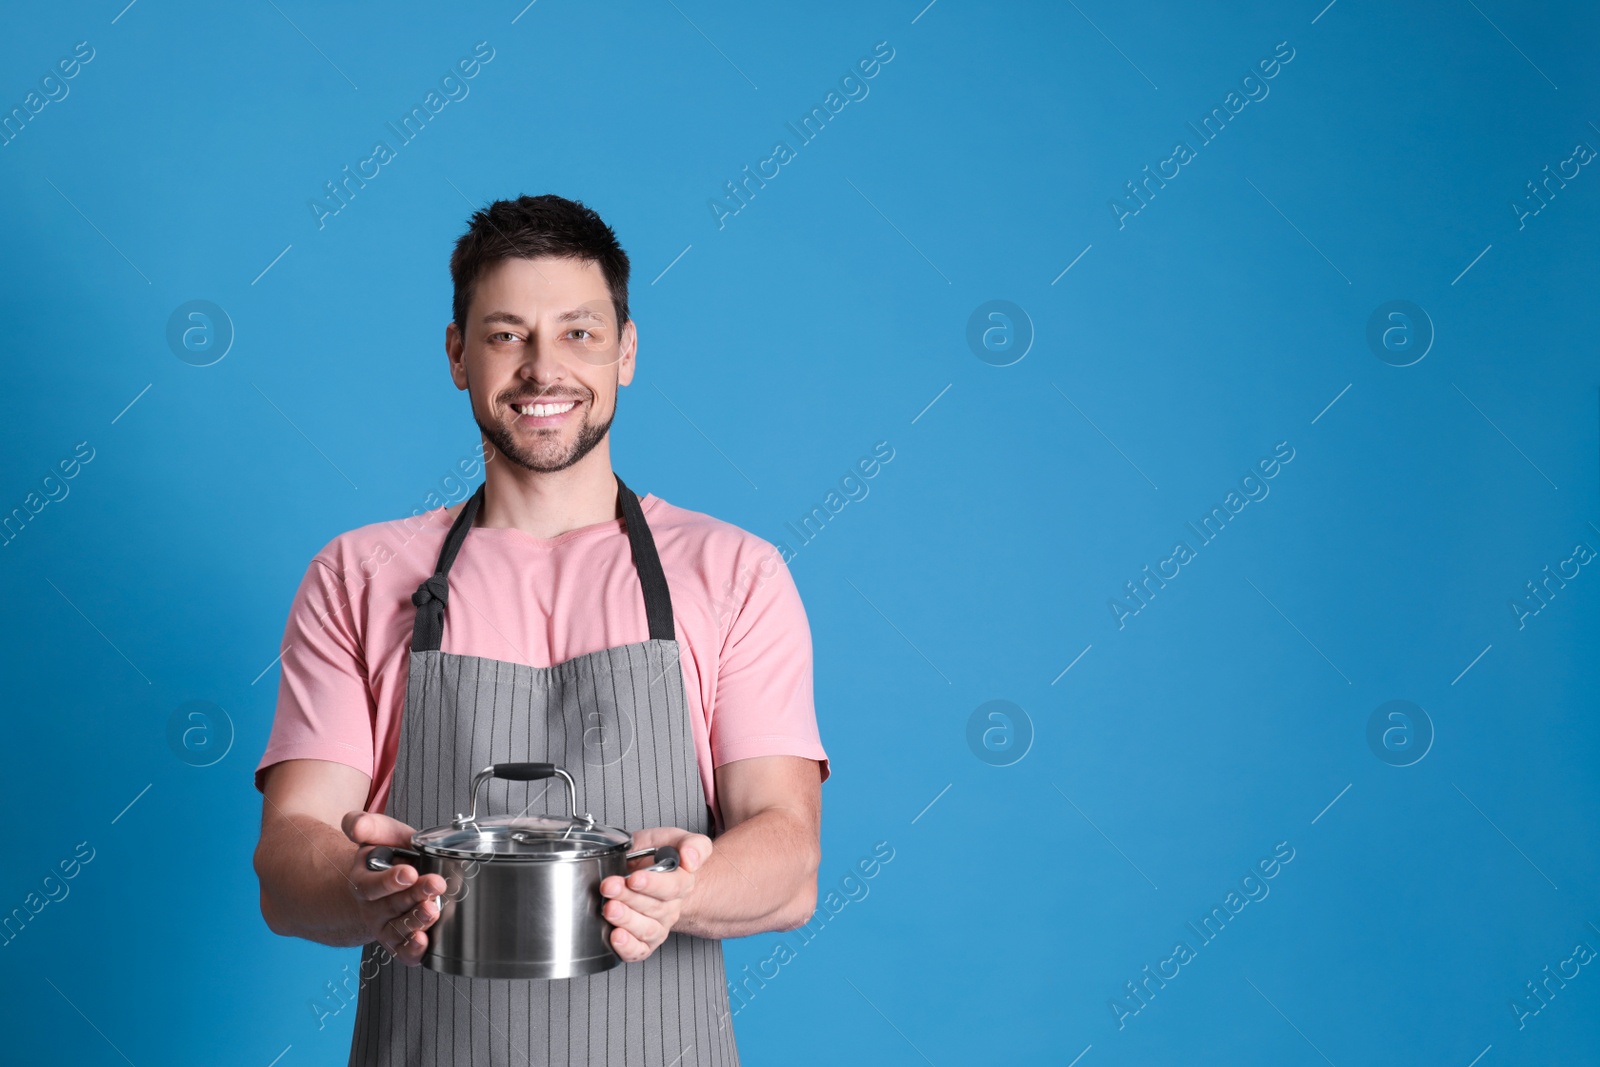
(644, 906)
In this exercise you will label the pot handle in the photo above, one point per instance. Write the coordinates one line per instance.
(524, 772)
(520, 772)
(666, 857)
(382, 857)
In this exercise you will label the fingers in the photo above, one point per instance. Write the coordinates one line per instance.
(643, 918)
(661, 903)
(644, 905)
(374, 828)
(646, 889)
(635, 936)
(399, 903)
(401, 878)
(405, 934)
(630, 948)
(642, 909)
(693, 851)
(429, 888)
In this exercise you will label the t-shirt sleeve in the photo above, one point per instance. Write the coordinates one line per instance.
(325, 707)
(764, 702)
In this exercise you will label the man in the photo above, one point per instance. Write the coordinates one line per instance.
(541, 629)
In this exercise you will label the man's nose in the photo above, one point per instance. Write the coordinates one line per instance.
(543, 359)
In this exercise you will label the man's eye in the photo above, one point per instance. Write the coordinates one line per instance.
(498, 336)
(586, 334)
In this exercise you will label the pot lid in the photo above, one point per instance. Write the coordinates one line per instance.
(528, 837)
(524, 837)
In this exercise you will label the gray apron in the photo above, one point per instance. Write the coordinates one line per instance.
(617, 720)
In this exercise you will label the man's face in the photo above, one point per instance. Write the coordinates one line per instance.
(542, 332)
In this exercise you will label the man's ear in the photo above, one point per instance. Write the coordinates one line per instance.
(629, 343)
(455, 352)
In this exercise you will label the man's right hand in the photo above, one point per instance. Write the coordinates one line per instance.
(396, 906)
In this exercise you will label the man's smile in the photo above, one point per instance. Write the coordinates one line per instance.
(543, 413)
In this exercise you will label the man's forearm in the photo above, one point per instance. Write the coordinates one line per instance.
(762, 875)
(305, 891)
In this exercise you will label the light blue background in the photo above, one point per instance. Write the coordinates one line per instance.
(830, 314)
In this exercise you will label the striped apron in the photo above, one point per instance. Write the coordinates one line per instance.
(617, 720)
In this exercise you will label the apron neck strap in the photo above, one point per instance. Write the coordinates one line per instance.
(427, 631)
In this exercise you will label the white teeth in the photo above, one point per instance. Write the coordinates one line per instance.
(540, 410)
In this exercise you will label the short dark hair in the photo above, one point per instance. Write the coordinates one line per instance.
(530, 226)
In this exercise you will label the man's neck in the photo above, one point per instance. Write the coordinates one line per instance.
(547, 505)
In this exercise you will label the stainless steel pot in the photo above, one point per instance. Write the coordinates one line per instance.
(523, 891)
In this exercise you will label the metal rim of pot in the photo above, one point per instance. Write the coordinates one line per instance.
(523, 838)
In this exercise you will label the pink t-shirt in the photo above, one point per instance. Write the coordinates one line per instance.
(745, 640)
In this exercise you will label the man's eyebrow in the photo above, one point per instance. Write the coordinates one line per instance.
(574, 315)
(503, 316)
